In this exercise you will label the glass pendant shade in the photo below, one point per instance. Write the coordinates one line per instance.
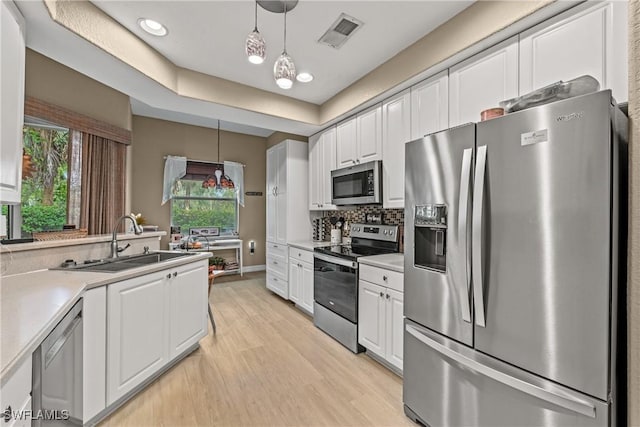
(255, 47)
(284, 71)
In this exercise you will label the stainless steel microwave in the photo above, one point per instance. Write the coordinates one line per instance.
(357, 185)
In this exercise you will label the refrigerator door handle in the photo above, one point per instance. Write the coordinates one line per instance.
(478, 202)
(564, 401)
(463, 215)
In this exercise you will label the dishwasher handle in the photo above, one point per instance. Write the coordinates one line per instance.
(57, 345)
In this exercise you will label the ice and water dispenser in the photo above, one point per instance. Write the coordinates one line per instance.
(430, 223)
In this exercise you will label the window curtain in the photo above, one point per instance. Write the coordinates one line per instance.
(235, 171)
(103, 183)
(175, 167)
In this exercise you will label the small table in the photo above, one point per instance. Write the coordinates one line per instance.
(220, 245)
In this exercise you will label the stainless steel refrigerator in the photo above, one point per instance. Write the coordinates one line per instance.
(514, 229)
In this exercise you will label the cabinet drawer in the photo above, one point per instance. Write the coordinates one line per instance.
(277, 264)
(382, 277)
(301, 255)
(276, 249)
(278, 284)
(15, 392)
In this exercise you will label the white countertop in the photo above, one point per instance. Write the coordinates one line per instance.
(309, 245)
(16, 247)
(31, 304)
(393, 262)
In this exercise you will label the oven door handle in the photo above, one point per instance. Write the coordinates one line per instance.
(336, 260)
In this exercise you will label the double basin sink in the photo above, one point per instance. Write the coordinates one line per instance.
(124, 262)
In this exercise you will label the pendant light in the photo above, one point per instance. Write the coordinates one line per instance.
(284, 70)
(255, 46)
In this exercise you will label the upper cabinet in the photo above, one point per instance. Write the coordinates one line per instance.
(592, 41)
(430, 105)
(12, 46)
(482, 81)
(322, 160)
(396, 132)
(359, 140)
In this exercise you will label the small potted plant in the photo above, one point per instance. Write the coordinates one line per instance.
(216, 263)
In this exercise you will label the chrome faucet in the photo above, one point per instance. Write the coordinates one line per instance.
(115, 250)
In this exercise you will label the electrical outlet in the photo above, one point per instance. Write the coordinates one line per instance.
(252, 247)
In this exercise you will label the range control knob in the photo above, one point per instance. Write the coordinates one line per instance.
(385, 232)
(390, 232)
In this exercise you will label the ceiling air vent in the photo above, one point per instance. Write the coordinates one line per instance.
(340, 31)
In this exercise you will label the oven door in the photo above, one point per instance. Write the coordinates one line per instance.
(335, 285)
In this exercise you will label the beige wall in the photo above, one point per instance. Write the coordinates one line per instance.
(51, 81)
(633, 290)
(277, 137)
(153, 139)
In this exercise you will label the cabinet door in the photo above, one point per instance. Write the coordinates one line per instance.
(328, 164)
(371, 317)
(281, 218)
(272, 175)
(369, 135)
(346, 150)
(396, 126)
(94, 344)
(294, 282)
(12, 46)
(394, 327)
(430, 106)
(597, 39)
(316, 174)
(188, 298)
(482, 81)
(137, 340)
(307, 286)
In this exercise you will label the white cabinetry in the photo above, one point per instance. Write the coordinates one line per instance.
(15, 395)
(430, 106)
(287, 208)
(301, 278)
(380, 313)
(322, 160)
(396, 131)
(359, 140)
(482, 81)
(94, 352)
(592, 41)
(152, 319)
(12, 46)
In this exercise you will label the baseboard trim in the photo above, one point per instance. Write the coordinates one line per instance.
(254, 268)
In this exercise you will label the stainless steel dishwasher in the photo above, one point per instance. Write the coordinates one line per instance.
(57, 374)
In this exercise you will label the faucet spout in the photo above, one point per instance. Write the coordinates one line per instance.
(115, 250)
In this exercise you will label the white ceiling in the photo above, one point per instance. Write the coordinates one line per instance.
(374, 43)
(209, 36)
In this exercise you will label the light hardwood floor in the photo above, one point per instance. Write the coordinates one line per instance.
(267, 365)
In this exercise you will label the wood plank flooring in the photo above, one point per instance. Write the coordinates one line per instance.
(267, 365)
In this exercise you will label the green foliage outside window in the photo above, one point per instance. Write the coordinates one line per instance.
(195, 206)
(44, 192)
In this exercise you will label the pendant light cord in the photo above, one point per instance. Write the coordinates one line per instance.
(285, 28)
(218, 140)
(255, 28)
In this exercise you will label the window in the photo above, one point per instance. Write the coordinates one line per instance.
(196, 204)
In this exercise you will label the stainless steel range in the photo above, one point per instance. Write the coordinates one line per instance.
(335, 280)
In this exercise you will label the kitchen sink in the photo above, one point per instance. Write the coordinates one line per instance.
(124, 263)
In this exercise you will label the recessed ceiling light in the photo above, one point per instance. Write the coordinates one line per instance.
(152, 27)
(304, 77)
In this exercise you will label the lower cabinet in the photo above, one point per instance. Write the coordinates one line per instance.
(277, 269)
(301, 278)
(152, 319)
(15, 396)
(380, 318)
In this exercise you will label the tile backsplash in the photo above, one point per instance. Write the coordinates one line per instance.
(357, 214)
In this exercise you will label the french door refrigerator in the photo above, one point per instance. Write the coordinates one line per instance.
(512, 237)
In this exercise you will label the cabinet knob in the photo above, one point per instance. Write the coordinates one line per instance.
(7, 414)
(387, 296)
(275, 279)
(382, 294)
(300, 265)
(175, 274)
(299, 254)
(169, 276)
(384, 278)
(275, 262)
